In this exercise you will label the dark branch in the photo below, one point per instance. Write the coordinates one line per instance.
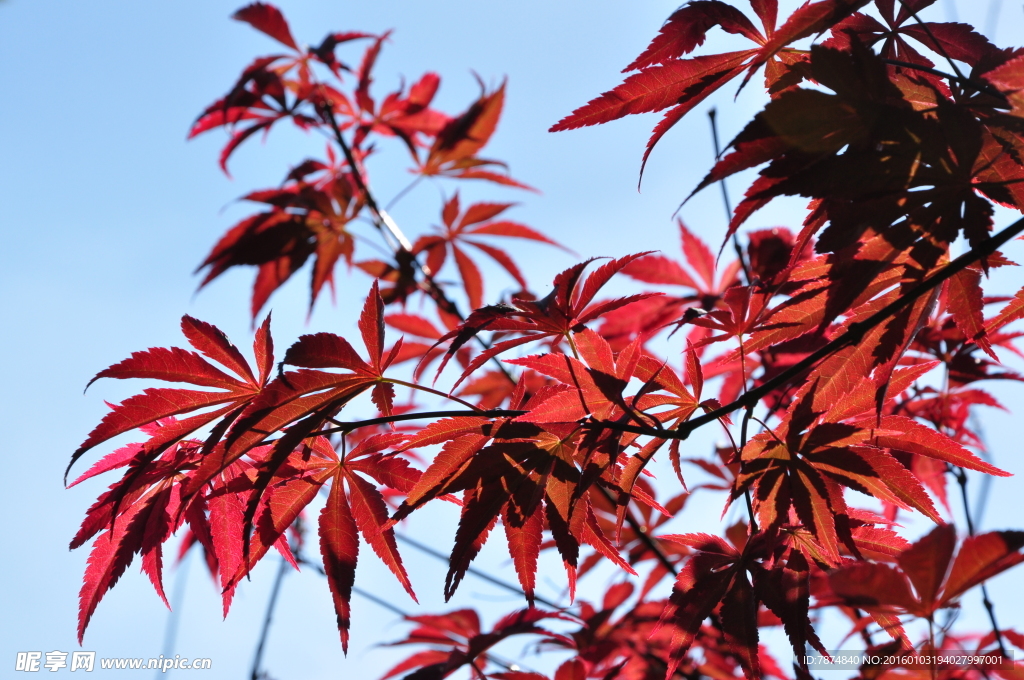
(850, 337)
(642, 534)
(746, 492)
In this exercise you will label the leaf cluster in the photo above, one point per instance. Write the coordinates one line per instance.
(816, 352)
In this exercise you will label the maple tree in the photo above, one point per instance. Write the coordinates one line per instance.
(836, 333)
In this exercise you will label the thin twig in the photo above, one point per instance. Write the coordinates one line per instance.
(642, 534)
(475, 572)
(381, 602)
(271, 604)
(174, 615)
(981, 499)
(961, 478)
(992, 19)
(725, 198)
(397, 197)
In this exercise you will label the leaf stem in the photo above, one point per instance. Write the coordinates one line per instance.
(431, 390)
(409, 187)
(968, 82)
(343, 426)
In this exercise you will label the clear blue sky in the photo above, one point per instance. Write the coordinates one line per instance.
(106, 210)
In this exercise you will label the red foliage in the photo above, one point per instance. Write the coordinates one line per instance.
(839, 328)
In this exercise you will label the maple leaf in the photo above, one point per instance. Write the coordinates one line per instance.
(406, 116)
(741, 314)
(928, 577)
(803, 465)
(464, 229)
(565, 310)
(362, 509)
(261, 98)
(531, 474)
(179, 365)
(300, 402)
(138, 513)
(457, 640)
(714, 574)
(869, 156)
(666, 81)
(955, 40)
(276, 87)
(898, 160)
(113, 551)
(701, 275)
(269, 20)
(355, 507)
(454, 151)
(425, 350)
(304, 220)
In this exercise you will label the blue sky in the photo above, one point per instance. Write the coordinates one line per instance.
(107, 210)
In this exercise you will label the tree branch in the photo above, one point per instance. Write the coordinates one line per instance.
(850, 337)
(385, 224)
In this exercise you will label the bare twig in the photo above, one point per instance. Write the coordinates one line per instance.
(267, 619)
(474, 571)
(642, 534)
(961, 478)
(381, 602)
(725, 198)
